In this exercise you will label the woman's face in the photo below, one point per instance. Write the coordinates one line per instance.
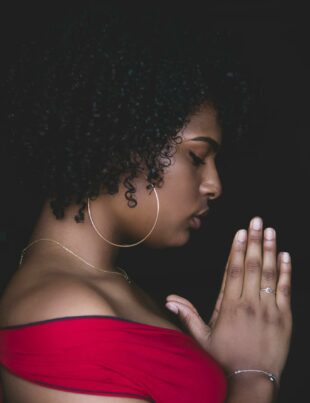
(189, 182)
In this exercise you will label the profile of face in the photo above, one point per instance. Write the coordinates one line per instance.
(189, 182)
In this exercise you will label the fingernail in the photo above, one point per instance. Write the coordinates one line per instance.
(285, 257)
(241, 236)
(172, 307)
(257, 223)
(269, 234)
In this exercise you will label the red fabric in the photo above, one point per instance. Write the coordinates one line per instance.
(106, 355)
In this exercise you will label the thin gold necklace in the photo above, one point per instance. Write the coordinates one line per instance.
(123, 273)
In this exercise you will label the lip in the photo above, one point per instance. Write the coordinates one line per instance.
(202, 214)
(195, 222)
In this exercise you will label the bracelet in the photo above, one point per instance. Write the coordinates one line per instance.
(272, 377)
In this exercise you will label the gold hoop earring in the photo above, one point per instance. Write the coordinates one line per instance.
(126, 245)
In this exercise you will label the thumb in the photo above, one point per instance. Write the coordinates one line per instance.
(190, 317)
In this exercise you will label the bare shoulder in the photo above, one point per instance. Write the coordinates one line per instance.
(58, 296)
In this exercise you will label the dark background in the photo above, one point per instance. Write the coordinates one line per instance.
(268, 176)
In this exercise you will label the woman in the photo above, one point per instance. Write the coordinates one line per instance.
(128, 132)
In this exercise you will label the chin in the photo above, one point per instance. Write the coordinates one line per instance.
(176, 241)
(180, 239)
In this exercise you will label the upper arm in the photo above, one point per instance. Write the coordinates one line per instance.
(57, 298)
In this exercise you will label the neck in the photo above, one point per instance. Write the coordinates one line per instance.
(80, 238)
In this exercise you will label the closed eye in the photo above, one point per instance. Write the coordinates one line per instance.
(196, 160)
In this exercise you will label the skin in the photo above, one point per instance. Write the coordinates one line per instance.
(248, 329)
(185, 192)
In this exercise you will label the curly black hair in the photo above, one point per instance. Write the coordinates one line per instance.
(102, 96)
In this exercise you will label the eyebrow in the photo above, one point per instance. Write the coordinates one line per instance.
(214, 144)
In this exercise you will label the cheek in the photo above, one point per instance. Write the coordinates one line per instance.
(179, 192)
(183, 178)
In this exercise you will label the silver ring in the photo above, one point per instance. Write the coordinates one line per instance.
(268, 290)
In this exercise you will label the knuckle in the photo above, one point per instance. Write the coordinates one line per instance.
(269, 274)
(269, 245)
(239, 246)
(271, 317)
(253, 265)
(235, 270)
(247, 308)
(285, 289)
(186, 317)
(255, 237)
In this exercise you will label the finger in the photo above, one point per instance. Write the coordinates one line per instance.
(235, 269)
(269, 271)
(283, 296)
(177, 298)
(197, 328)
(219, 300)
(253, 260)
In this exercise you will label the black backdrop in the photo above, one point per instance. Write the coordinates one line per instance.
(268, 177)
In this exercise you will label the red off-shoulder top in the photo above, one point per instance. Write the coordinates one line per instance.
(111, 356)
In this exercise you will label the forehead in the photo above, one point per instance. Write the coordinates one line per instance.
(203, 124)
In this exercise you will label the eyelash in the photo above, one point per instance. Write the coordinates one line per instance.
(196, 160)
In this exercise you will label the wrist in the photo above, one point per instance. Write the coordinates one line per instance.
(256, 386)
(272, 377)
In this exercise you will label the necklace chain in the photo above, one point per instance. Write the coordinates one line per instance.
(123, 273)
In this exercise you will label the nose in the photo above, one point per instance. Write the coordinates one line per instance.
(211, 184)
